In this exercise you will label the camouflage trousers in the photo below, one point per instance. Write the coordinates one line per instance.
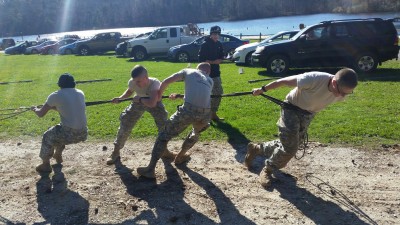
(186, 115)
(132, 114)
(292, 127)
(57, 137)
(217, 90)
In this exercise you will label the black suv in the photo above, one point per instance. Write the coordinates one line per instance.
(358, 43)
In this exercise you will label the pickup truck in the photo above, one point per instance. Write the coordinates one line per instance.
(160, 41)
(101, 42)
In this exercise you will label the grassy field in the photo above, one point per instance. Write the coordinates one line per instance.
(370, 117)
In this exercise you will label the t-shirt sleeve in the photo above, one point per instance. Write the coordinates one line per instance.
(182, 75)
(52, 100)
(305, 81)
(220, 51)
(155, 85)
(130, 85)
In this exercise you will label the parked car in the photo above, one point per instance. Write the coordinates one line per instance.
(242, 54)
(358, 43)
(19, 48)
(7, 42)
(159, 41)
(38, 48)
(53, 48)
(101, 42)
(190, 52)
(122, 49)
(67, 49)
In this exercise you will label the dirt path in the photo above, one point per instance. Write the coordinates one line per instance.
(328, 186)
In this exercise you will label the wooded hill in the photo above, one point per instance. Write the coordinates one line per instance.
(27, 17)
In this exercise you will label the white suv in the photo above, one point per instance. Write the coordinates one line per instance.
(242, 54)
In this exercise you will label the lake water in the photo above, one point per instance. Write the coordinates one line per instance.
(265, 26)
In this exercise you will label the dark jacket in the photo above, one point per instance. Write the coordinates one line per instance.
(211, 50)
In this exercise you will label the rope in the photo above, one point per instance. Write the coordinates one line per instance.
(11, 115)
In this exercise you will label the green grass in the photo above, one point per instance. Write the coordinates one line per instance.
(370, 117)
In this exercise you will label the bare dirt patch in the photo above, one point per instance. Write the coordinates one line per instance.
(327, 186)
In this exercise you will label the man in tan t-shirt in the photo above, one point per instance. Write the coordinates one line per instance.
(313, 92)
(146, 99)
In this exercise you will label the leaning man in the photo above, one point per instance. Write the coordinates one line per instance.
(69, 102)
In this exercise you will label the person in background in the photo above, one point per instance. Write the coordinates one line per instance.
(211, 51)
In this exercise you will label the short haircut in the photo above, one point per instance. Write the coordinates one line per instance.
(347, 77)
(137, 71)
(66, 80)
(204, 66)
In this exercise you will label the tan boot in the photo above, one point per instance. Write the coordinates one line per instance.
(44, 168)
(58, 157)
(181, 158)
(113, 157)
(265, 177)
(253, 150)
(168, 155)
(146, 172)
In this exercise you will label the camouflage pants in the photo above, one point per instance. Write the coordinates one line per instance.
(217, 90)
(132, 114)
(186, 115)
(57, 137)
(293, 127)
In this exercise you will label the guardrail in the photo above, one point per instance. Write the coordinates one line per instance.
(259, 36)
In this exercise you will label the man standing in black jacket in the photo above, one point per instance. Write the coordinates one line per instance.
(211, 52)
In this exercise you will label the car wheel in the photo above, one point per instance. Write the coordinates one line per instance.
(68, 51)
(366, 63)
(182, 57)
(84, 50)
(139, 54)
(34, 51)
(278, 64)
(50, 51)
(248, 58)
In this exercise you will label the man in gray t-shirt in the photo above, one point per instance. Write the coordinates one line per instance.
(69, 102)
(195, 111)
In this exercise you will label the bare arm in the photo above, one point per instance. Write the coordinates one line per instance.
(171, 79)
(286, 81)
(126, 94)
(40, 112)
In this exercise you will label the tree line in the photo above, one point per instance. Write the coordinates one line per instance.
(29, 17)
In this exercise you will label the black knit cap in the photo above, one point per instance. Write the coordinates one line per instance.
(66, 80)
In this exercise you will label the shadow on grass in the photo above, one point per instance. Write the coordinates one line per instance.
(236, 138)
(320, 211)
(58, 204)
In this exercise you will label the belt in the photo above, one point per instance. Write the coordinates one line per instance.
(289, 105)
(193, 108)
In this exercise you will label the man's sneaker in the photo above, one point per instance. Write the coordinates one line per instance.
(168, 155)
(44, 168)
(265, 177)
(146, 172)
(58, 157)
(253, 150)
(181, 158)
(113, 157)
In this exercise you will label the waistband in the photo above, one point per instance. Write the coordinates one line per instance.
(289, 105)
(193, 108)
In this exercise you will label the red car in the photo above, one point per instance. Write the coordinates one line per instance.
(53, 48)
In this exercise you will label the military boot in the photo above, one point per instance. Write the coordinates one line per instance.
(58, 157)
(265, 177)
(113, 157)
(44, 167)
(146, 172)
(253, 150)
